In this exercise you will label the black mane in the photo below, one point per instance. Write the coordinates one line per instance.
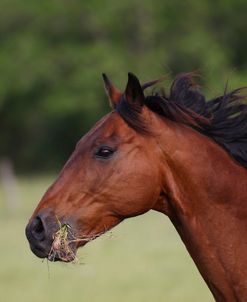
(223, 119)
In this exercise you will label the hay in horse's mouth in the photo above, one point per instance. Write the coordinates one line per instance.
(62, 248)
(65, 243)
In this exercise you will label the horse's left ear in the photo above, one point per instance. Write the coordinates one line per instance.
(113, 93)
(134, 93)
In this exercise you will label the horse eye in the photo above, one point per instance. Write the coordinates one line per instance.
(104, 152)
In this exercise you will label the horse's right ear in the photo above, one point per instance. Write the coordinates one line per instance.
(113, 93)
(134, 93)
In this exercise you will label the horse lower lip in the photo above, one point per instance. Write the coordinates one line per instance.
(38, 252)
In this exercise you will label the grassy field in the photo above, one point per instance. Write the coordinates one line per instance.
(143, 260)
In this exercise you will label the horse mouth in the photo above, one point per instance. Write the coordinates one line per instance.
(65, 244)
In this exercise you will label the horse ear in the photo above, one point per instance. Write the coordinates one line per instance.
(134, 93)
(113, 93)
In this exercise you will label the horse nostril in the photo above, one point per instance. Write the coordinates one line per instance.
(37, 229)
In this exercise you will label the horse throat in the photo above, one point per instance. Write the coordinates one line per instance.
(206, 194)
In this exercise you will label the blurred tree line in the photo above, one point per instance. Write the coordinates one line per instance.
(52, 54)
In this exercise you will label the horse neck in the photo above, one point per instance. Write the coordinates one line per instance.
(207, 193)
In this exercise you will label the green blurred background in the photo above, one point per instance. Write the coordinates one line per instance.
(52, 54)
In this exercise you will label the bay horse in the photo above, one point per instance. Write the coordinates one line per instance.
(174, 153)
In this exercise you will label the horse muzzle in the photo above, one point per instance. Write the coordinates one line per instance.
(46, 239)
